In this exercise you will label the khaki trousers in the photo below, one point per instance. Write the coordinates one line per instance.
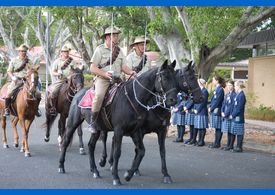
(101, 87)
(13, 86)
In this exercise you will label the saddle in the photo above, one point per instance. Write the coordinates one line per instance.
(87, 99)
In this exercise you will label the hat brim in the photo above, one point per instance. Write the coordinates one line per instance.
(147, 41)
(104, 35)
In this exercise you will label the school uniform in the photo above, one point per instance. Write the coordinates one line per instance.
(215, 110)
(238, 119)
(227, 108)
(179, 116)
(189, 118)
(201, 118)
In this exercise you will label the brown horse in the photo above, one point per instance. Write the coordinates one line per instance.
(67, 92)
(23, 109)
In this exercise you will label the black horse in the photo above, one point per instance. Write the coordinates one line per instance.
(157, 119)
(67, 92)
(128, 112)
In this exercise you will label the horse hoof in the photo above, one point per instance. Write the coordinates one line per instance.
(127, 176)
(96, 175)
(167, 180)
(5, 146)
(46, 139)
(137, 173)
(15, 145)
(61, 170)
(27, 154)
(82, 151)
(116, 182)
(102, 162)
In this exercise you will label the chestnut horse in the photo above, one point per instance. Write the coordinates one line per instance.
(23, 109)
(74, 83)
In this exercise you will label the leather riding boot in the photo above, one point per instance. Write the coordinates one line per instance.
(194, 139)
(239, 147)
(7, 106)
(229, 137)
(92, 126)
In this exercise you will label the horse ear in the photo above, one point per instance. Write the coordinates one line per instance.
(165, 64)
(189, 65)
(174, 64)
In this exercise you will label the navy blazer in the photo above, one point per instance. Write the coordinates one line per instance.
(238, 109)
(189, 104)
(228, 103)
(181, 99)
(216, 101)
(202, 107)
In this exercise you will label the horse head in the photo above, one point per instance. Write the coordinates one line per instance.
(166, 84)
(76, 79)
(31, 79)
(187, 82)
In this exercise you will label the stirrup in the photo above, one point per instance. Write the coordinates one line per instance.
(38, 113)
(53, 111)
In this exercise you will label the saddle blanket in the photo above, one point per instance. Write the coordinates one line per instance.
(86, 101)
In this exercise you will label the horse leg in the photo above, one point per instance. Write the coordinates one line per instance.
(102, 161)
(15, 132)
(161, 140)
(67, 140)
(111, 159)
(118, 134)
(140, 152)
(49, 122)
(4, 136)
(61, 130)
(91, 145)
(80, 136)
(25, 125)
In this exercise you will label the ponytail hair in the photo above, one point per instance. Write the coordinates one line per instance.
(220, 80)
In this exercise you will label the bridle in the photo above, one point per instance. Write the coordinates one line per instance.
(160, 96)
(186, 85)
(72, 88)
(30, 86)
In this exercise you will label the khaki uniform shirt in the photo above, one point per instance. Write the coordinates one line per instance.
(133, 61)
(102, 55)
(16, 63)
(57, 64)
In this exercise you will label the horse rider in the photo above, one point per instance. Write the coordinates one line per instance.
(137, 59)
(16, 71)
(61, 70)
(108, 62)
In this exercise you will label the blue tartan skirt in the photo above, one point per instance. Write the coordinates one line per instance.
(237, 128)
(189, 118)
(227, 125)
(178, 119)
(216, 122)
(200, 121)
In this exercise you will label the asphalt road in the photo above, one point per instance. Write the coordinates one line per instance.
(189, 167)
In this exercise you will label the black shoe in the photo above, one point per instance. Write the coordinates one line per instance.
(214, 146)
(237, 150)
(187, 141)
(201, 144)
(178, 140)
(7, 112)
